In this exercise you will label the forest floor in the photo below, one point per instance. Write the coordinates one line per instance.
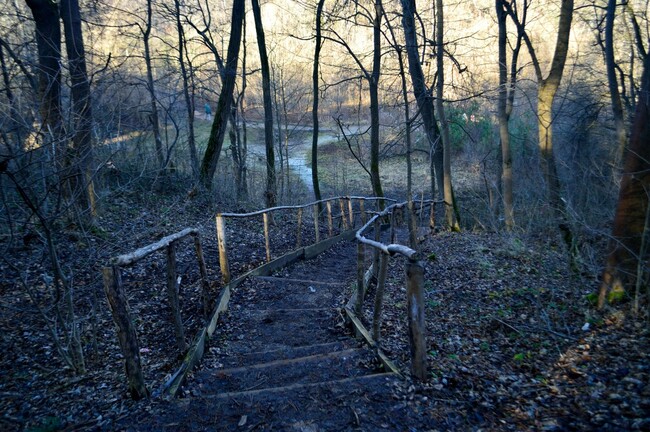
(514, 343)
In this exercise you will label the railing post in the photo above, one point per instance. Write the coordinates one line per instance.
(205, 285)
(223, 253)
(299, 232)
(126, 333)
(379, 298)
(360, 273)
(172, 297)
(415, 312)
(362, 210)
(316, 212)
(375, 253)
(412, 221)
(329, 216)
(432, 218)
(267, 241)
(344, 220)
(350, 211)
(392, 225)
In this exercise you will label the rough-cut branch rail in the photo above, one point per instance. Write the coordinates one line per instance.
(133, 257)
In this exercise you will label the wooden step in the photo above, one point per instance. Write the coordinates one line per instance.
(286, 353)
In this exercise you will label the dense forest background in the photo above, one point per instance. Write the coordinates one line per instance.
(121, 121)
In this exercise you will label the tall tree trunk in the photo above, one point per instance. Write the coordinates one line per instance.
(155, 122)
(628, 245)
(314, 109)
(222, 113)
(374, 102)
(452, 223)
(48, 41)
(82, 155)
(423, 98)
(189, 101)
(271, 182)
(504, 131)
(610, 64)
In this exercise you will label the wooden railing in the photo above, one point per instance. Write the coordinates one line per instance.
(378, 268)
(346, 214)
(117, 300)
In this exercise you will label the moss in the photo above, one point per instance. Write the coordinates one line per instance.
(616, 295)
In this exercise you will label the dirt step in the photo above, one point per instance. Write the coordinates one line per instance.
(360, 403)
(267, 330)
(302, 370)
(279, 292)
(286, 353)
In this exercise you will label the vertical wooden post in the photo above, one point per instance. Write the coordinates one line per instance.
(126, 333)
(360, 272)
(375, 252)
(362, 210)
(415, 312)
(299, 231)
(350, 211)
(329, 216)
(413, 224)
(379, 298)
(344, 220)
(432, 218)
(223, 253)
(393, 221)
(205, 285)
(316, 222)
(172, 297)
(267, 241)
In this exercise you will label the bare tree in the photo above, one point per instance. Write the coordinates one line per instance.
(316, 96)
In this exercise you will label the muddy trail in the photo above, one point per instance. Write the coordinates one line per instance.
(283, 359)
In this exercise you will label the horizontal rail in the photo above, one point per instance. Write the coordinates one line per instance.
(389, 249)
(137, 255)
(266, 210)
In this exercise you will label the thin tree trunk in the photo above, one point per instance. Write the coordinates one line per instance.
(423, 97)
(155, 122)
(314, 110)
(452, 223)
(374, 102)
(610, 64)
(271, 182)
(189, 103)
(222, 113)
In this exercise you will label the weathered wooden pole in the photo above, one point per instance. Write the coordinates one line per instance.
(205, 284)
(432, 218)
(375, 252)
(299, 229)
(415, 312)
(344, 220)
(393, 221)
(316, 212)
(350, 211)
(126, 333)
(360, 279)
(329, 216)
(413, 224)
(267, 241)
(223, 253)
(379, 298)
(362, 210)
(172, 297)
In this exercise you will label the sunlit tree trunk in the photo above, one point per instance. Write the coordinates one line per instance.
(271, 182)
(628, 246)
(224, 104)
(450, 217)
(374, 101)
(615, 95)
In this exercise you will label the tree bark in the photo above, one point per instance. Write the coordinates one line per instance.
(220, 123)
(373, 84)
(630, 224)
(155, 122)
(271, 182)
(81, 162)
(615, 95)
